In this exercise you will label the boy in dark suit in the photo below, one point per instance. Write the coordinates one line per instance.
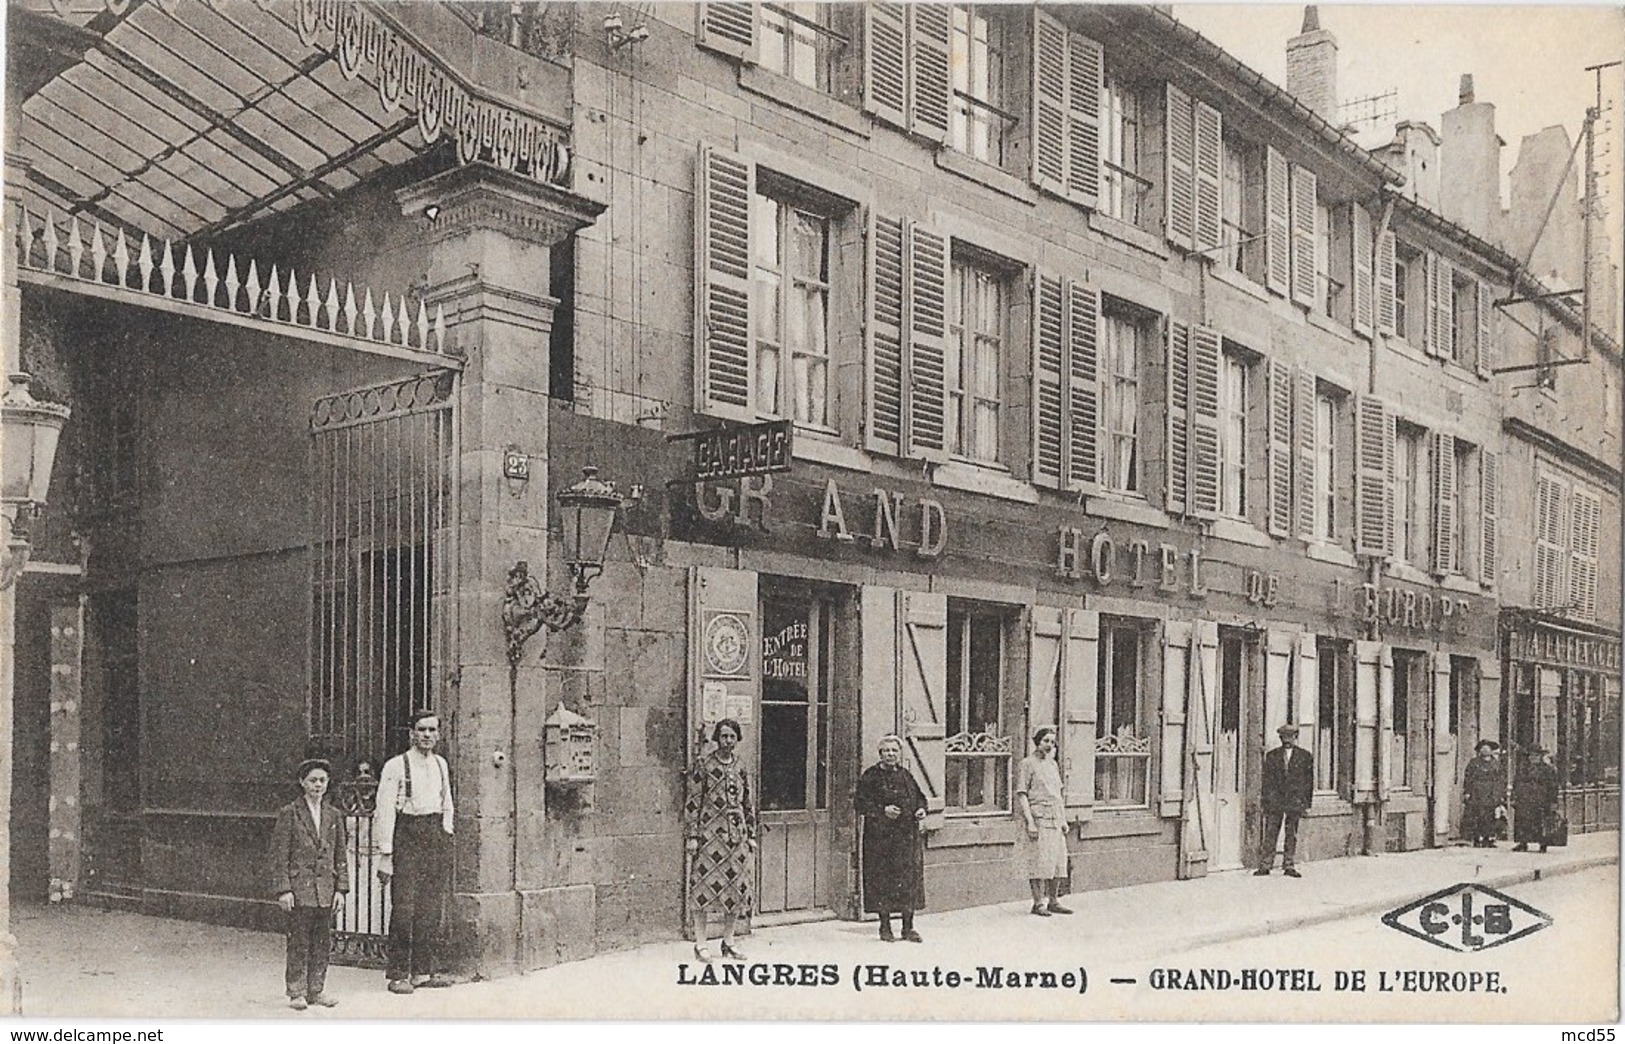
(1289, 783)
(311, 873)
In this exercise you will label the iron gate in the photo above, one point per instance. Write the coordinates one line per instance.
(383, 556)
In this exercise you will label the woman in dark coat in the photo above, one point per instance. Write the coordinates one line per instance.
(893, 809)
(1534, 801)
(1483, 790)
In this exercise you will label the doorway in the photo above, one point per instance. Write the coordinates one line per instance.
(1229, 818)
(793, 758)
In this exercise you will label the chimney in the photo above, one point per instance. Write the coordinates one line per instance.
(1470, 163)
(1311, 66)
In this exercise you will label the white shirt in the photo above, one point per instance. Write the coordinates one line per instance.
(431, 795)
(315, 814)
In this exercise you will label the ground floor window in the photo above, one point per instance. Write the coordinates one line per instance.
(1334, 716)
(1408, 750)
(796, 644)
(1123, 737)
(979, 745)
(1587, 731)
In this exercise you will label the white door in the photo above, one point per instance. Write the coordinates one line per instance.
(1227, 752)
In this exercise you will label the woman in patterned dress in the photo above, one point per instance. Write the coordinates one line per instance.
(721, 839)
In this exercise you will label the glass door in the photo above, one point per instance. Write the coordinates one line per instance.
(794, 755)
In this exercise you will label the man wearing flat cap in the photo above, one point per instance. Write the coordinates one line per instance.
(310, 874)
(1289, 783)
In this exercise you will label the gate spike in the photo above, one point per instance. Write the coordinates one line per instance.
(313, 301)
(50, 242)
(189, 274)
(401, 322)
(210, 280)
(98, 251)
(121, 259)
(252, 288)
(440, 328)
(293, 296)
(232, 283)
(76, 246)
(166, 267)
(333, 304)
(145, 263)
(389, 320)
(349, 307)
(369, 315)
(273, 294)
(423, 325)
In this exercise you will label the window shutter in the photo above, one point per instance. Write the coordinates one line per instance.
(1445, 310)
(922, 677)
(927, 355)
(1385, 722)
(1046, 648)
(1551, 556)
(1200, 717)
(1306, 686)
(1430, 305)
(1278, 646)
(1444, 747)
(1209, 164)
(1049, 382)
(1487, 355)
(1303, 437)
(1489, 511)
(1361, 223)
(1305, 241)
(1204, 418)
(1180, 158)
(1078, 695)
(1178, 402)
(1586, 520)
(878, 659)
(1051, 87)
(928, 82)
(1387, 307)
(1083, 388)
(883, 431)
(1372, 448)
(1367, 694)
(885, 67)
(1277, 221)
(1280, 448)
(1390, 440)
(1444, 503)
(1085, 74)
(1176, 683)
(729, 28)
(725, 350)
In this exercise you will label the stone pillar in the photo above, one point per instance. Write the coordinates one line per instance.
(11, 983)
(490, 232)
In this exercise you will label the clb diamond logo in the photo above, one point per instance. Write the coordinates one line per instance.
(1467, 918)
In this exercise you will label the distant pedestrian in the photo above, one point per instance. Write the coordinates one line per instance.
(1483, 790)
(1289, 784)
(893, 810)
(1042, 805)
(412, 828)
(1534, 800)
(720, 824)
(311, 873)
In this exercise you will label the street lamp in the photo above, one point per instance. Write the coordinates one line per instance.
(29, 430)
(587, 512)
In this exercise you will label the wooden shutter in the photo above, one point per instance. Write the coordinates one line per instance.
(1586, 521)
(1277, 222)
(1489, 512)
(1361, 224)
(1179, 157)
(883, 429)
(1429, 312)
(1208, 137)
(1390, 439)
(922, 676)
(1445, 309)
(1278, 646)
(1387, 306)
(926, 359)
(1551, 554)
(729, 28)
(1306, 687)
(878, 663)
(1078, 709)
(1201, 805)
(1049, 381)
(1082, 388)
(1367, 693)
(722, 598)
(886, 62)
(1085, 78)
(929, 86)
(725, 351)
(1385, 724)
(1303, 438)
(1046, 644)
(1444, 749)
(1444, 503)
(1051, 92)
(1178, 418)
(1176, 682)
(1280, 448)
(1305, 240)
(1373, 452)
(1485, 309)
(1205, 357)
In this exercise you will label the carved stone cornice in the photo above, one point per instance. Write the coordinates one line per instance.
(478, 196)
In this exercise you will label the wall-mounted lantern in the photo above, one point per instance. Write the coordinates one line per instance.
(587, 513)
(29, 430)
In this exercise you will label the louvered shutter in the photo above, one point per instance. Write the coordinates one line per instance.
(1586, 521)
(1085, 77)
(1277, 222)
(884, 372)
(1051, 87)
(1083, 388)
(1551, 554)
(1049, 381)
(1367, 694)
(1444, 747)
(1305, 238)
(1078, 711)
(1045, 658)
(1372, 450)
(1201, 714)
(1209, 166)
(929, 90)
(1489, 511)
(1444, 503)
(1178, 417)
(922, 689)
(1179, 151)
(1176, 681)
(1361, 224)
(1385, 723)
(1487, 354)
(1387, 306)
(1303, 438)
(1306, 686)
(729, 28)
(1280, 448)
(1430, 306)
(1445, 309)
(927, 351)
(725, 354)
(1390, 439)
(885, 67)
(1204, 418)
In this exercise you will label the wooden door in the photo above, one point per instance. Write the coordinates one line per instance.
(793, 759)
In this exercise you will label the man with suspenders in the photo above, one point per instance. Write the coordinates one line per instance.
(412, 828)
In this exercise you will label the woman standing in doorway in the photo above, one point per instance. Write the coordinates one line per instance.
(1043, 808)
(893, 811)
(721, 840)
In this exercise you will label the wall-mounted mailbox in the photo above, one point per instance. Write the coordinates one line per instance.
(570, 748)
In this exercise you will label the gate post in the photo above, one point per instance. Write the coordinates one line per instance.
(490, 233)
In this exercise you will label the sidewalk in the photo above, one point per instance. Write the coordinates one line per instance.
(86, 962)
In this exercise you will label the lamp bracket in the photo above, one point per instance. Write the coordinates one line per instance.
(526, 609)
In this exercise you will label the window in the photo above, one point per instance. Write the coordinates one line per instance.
(1406, 676)
(977, 62)
(797, 650)
(1333, 739)
(1122, 189)
(1326, 464)
(790, 284)
(1569, 517)
(796, 41)
(978, 748)
(1330, 289)
(1588, 730)
(1465, 523)
(1407, 495)
(1243, 207)
(1410, 294)
(976, 325)
(1233, 434)
(1120, 338)
(1402, 277)
(1123, 742)
(1463, 320)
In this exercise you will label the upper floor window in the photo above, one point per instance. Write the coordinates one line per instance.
(1234, 382)
(1326, 464)
(977, 303)
(1408, 495)
(1122, 184)
(790, 286)
(977, 56)
(796, 41)
(1120, 357)
(1243, 206)
(1330, 292)
(1402, 283)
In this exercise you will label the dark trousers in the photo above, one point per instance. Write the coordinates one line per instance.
(1273, 822)
(310, 935)
(418, 895)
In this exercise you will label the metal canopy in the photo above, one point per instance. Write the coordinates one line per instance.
(181, 118)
